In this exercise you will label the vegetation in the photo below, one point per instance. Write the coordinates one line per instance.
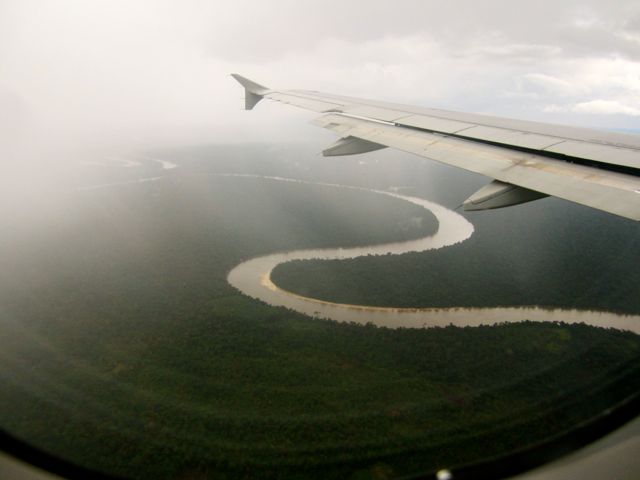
(244, 392)
(125, 349)
(588, 262)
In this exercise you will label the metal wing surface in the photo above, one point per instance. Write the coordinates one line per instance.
(527, 160)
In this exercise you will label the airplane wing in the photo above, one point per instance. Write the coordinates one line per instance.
(526, 160)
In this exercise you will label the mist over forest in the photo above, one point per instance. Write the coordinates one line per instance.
(132, 182)
(126, 350)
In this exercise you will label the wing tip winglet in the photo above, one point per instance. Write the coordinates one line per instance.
(253, 92)
(250, 85)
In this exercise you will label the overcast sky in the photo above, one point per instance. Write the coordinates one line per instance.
(144, 72)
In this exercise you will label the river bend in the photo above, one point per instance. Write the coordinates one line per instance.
(253, 278)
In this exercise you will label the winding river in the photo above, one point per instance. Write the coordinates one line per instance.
(253, 278)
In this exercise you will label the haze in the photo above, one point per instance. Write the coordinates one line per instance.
(139, 73)
(133, 185)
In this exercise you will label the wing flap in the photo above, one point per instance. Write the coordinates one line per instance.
(434, 124)
(612, 192)
(604, 147)
(561, 132)
(599, 153)
(590, 167)
(382, 114)
(515, 138)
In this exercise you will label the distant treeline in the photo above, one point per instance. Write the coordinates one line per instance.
(124, 349)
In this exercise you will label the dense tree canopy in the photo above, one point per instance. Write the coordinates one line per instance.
(125, 349)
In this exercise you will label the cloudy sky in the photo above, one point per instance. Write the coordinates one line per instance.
(148, 72)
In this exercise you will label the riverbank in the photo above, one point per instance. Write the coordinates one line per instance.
(254, 278)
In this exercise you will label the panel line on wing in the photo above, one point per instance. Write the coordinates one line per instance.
(609, 191)
(593, 168)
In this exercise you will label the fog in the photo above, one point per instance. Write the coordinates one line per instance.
(101, 76)
(132, 182)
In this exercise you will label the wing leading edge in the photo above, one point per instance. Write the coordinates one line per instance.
(527, 160)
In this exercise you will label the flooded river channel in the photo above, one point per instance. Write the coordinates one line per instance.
(253, 278)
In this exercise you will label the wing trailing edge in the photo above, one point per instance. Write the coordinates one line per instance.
(527, 160)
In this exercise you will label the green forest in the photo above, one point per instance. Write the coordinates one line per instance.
(589, 262)
(125, 350)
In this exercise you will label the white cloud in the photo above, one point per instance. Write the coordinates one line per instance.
(145, 71)
(553, 85)
(607, 107)
(597, 107)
